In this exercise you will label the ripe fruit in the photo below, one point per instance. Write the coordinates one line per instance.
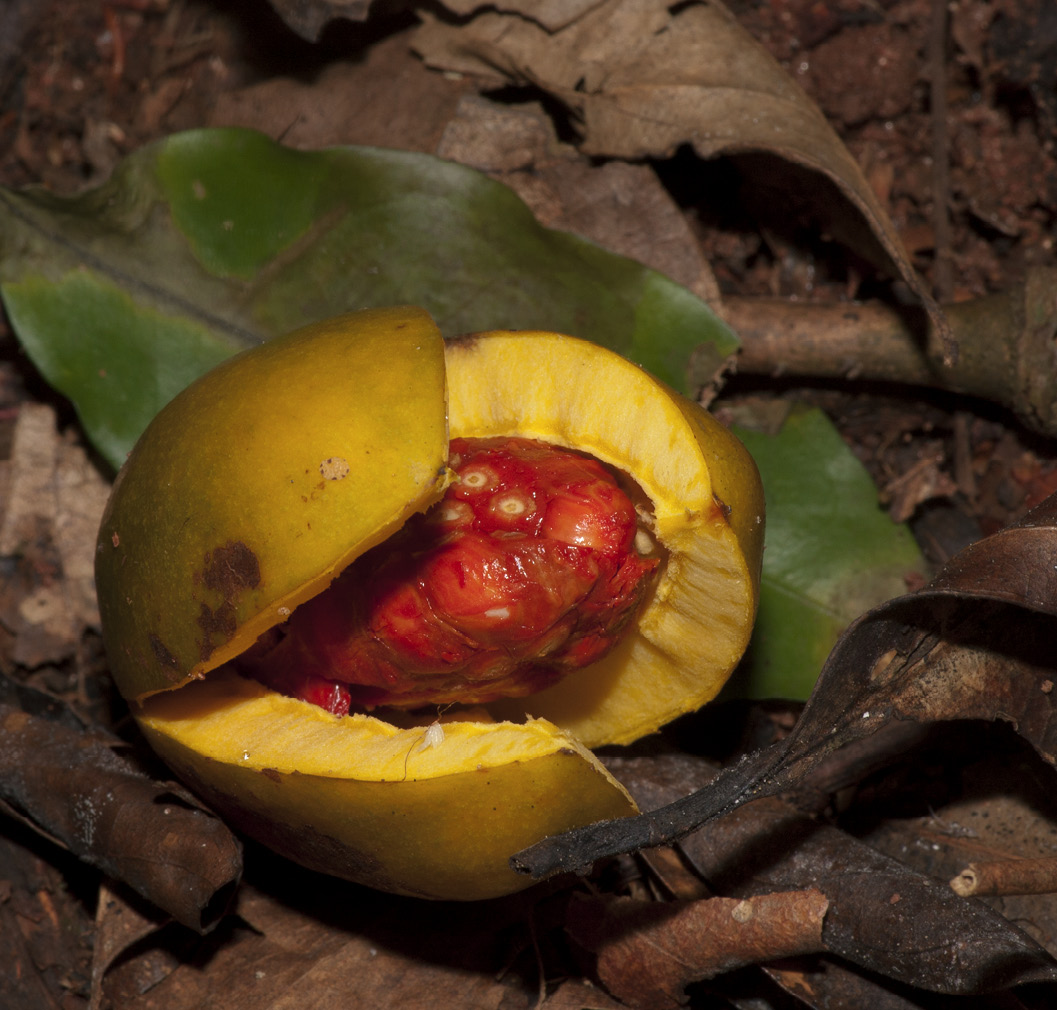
(257, 486)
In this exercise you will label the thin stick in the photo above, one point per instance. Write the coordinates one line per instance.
(1007, 876)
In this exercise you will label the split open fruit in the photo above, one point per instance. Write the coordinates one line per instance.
(259, 484)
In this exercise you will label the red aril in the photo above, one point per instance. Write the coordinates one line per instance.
(526, 570)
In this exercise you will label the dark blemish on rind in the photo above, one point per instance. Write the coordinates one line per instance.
(228, 571)
(165, 658)
(273, 774)
(231, 569)
(219, 623)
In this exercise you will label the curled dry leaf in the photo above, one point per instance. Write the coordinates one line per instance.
(296, 942)
(648, 952)
(72, 786)
(644, 78)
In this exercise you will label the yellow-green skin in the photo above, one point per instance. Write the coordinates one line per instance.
(251, 490)
(258, 484)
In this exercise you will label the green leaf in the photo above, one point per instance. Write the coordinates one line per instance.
(211, 241)
(830, 554)
(122, 360)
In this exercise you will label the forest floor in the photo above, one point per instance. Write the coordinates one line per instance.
(952, 120)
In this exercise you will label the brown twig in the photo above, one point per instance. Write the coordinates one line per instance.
(648, 952)
(1007, 876)
(1006, 344)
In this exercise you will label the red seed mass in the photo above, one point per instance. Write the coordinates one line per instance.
(524, 571)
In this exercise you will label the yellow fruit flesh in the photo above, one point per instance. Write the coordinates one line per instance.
(330, 792)
(359, 798)
(707, 508)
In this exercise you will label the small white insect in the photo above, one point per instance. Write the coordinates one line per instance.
(433, 737)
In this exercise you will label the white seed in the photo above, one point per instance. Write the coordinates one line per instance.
(499, 613)
(453, 512)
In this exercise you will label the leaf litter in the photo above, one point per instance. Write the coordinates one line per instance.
(981, 641)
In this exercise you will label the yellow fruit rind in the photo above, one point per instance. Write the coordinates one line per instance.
(358, 798)
(259, 483)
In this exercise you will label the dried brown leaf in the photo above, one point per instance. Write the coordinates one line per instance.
(48, 519)
(976, 643)
(578, 994)
(827, 983)
(302, 942)
(43, 928)
(121, 925)
(387, 99)
(73, 787)
(622, 207)
(991, 802)
(883, 915)
(644, 78)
